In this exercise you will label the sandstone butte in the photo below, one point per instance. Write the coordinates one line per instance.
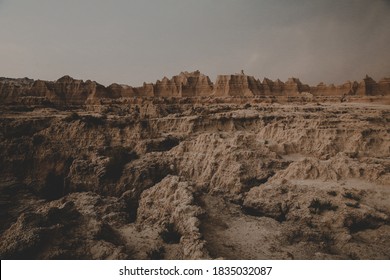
(69, 91)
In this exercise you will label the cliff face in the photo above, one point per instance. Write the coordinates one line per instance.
(195, 84)
(332, 90)
(186, 84)
(366, 87)
(384, 86)
(64, 91)
(233, 85)
(69, 91)
(11, 89)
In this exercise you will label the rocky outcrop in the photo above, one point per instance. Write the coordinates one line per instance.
(64, 91)
(366, 87)
(79, 226)
(384, 86)
(240, 85)
(369, 86)
(68, 91)
(186, 84)
(117, 91)
(348, 88)
(294, 85)
(12, 89)
(196, 84)
(170, 206)
(233, 85)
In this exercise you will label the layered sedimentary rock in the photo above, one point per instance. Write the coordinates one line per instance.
(233, 85)
(183, 85)
(384, 85)
(69, 91)
(117, 91)
(247, 86)
(195, 84)
(12, 89)
(294, 85)
(367, 87)
(321, 89)
(64, 91)
(175, 180)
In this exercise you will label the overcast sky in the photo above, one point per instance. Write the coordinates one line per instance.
(131, 42)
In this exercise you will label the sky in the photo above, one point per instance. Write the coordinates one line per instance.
(131, 42)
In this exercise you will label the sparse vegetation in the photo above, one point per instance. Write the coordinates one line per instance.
(294, 236)
(356, 223)
(324, 238)
(317, 206)
(311, 224)
(283, 189)
(284, 210)
(332, 193)
(353, 205)
(170, 234)
(351, 195)
(72, 117)
(156, 254)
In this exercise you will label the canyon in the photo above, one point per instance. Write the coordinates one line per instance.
(190, 169)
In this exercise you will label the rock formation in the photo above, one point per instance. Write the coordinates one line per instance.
(384, 86)
(233, 85)
(154, 187)
(68, 91)
(185, 169)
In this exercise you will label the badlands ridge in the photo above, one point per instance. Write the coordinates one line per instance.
(68, 91)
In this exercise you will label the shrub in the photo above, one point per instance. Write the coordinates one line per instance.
(72, 117)
(156, 254)
(353, 205)
(356, 223)
(332, 193)
(170, 235)
(317, 206)
(352, 196)
(325, 239)
(294, 236)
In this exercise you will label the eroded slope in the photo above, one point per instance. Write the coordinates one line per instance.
(191, 181)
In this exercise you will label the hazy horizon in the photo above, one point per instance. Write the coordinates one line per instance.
(131, 42)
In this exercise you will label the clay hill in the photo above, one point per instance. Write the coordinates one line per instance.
(190, 169)
(69, 91)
